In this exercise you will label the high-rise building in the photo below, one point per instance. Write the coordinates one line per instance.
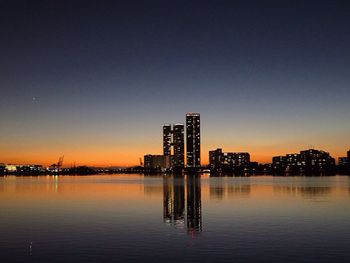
(179, 146)
(193, 140)
(166, 139)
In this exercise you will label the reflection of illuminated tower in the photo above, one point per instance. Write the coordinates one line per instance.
(174, 201)
(167, 200)
(179, 201)
(193, 141)
(194, 209)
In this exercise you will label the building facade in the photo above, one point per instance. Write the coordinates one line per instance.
(193, 140)
(308, 161)
(167, 139)
(220, 161)
(154, 162)
(179, 146)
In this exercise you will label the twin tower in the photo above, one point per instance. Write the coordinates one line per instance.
(174, 144)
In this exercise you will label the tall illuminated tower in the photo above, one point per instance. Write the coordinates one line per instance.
(179, 146)
(193, 140)
(166, 139)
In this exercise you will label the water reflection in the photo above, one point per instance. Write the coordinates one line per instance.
(194, 204)
(309, 192)
(174, 203)
(223, 187)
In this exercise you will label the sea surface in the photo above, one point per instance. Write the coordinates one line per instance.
(136, 218)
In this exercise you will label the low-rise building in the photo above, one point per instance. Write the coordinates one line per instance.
(308, 161)
(156, 162)
(228, 161)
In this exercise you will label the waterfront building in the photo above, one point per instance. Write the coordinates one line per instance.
(343, 161)
(179, 146)
(308, 161)
(167, 139)
(220, 161)
(154, 162)
(174, 146)
(193, 145)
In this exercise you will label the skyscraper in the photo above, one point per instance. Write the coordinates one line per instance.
(166, 139)
(179, 146)
(193, 140)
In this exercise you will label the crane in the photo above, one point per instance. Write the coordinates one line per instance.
(60, 162)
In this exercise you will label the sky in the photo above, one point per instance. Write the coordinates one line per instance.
(95, 80)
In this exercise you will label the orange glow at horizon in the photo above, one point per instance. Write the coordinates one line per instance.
(129, 157)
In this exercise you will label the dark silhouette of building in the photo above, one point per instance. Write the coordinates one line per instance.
(179, 147)
(167, 143)
(173, 137)
(343, 165)
(2, 168)
(194, 204)
(309, 162)
(193, 141)
(167, 139)
(228, 161)
(154, 162)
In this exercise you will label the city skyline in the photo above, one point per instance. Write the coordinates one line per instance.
(173, 149)
(93, 81)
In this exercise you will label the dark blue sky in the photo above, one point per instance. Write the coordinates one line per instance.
(267, 76)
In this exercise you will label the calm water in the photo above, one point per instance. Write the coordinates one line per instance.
(146, 219)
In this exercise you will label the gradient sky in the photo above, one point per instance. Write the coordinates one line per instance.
(95, 80)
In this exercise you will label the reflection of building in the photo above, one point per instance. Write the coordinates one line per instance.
(228, 161)
(167, 200)
(194, 204)
(223, 187)
(302, 190)
(216, 188)
(309, 161)
(193, 141)
(174, 203)
(179, 202)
